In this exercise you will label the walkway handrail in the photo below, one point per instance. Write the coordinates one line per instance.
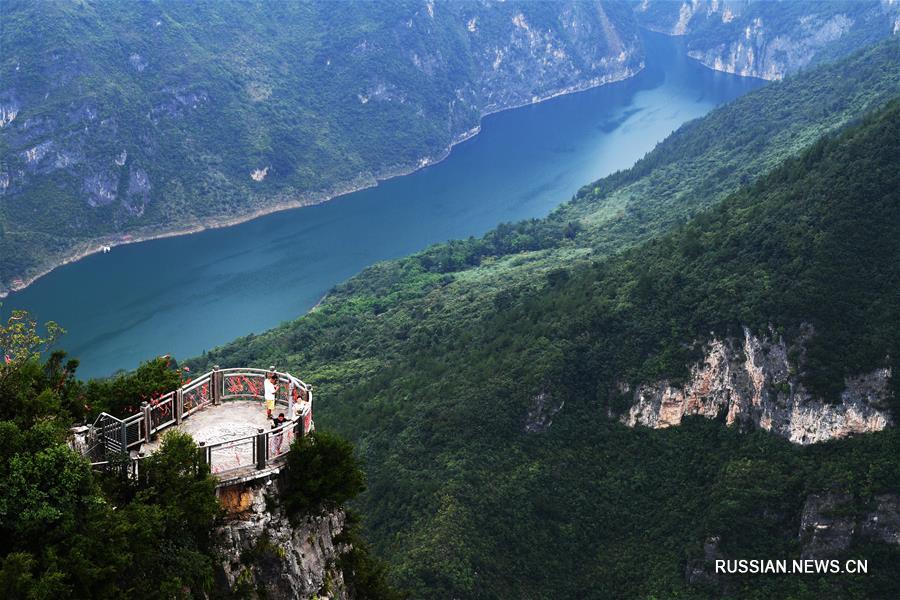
(112, 434)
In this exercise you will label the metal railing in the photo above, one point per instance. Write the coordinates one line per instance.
(111, 434)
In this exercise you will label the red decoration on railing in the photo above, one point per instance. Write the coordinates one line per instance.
(235, 386)
(242, 385)
(196, 397)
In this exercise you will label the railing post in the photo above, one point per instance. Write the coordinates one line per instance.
(204, 455)
(145, 408)
(261, 449)
(124, 437)
(309, 398)
(216, 385)
(179, 405)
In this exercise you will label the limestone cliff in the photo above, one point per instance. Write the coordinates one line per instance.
(770, 39)
(751, 382)
(265, 556)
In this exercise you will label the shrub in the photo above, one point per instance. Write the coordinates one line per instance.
(321, 471)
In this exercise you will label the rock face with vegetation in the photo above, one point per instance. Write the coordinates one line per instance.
(830, 523)
(770, 39)
(71, 529)
(752, 382)
(120, 121)
(267, 555)
(288, 535)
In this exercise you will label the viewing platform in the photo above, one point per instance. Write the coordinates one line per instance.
(224, 411)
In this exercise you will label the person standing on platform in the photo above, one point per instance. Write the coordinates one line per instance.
(278, 437)
(271, 389)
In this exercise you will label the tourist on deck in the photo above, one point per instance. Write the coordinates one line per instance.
(271, 388)
(278, 438)
(297, 395)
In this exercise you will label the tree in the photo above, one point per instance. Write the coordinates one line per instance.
(20, 342)
(321, 471)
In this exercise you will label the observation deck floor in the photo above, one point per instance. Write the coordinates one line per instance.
(232, 419)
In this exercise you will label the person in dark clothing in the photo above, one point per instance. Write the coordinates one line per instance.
(277, 438)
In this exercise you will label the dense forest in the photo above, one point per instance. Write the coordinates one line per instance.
(432, 363)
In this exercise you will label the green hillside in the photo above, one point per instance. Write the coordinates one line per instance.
(432, 363)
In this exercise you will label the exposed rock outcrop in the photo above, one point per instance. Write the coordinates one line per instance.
(765, 40)
(701, 572)
(541, 412)
(264, 555)
(582, 48)
(829, 523)
(759, 53)
(752, 383)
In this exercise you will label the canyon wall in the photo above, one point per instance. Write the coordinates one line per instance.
(133, 121)
(264, 555)
(770, 39)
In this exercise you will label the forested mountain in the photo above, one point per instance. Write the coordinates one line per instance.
(691, 360)
(122, 120)
(484, 380)
(770, 39)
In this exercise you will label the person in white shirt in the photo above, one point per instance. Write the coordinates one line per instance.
(271, 388)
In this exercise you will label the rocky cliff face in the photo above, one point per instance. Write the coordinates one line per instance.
(751, 382)
(770, 39)
(265, 556)
(536, 59)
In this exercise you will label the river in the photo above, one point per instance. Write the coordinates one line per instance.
(185, 294)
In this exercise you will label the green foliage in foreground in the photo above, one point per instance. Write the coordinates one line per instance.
(432, 364)
(68, 531)
(122, 395)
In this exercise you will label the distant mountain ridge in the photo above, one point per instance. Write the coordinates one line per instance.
(129, 120)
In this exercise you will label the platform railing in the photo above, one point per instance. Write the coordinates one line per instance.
(110, 434)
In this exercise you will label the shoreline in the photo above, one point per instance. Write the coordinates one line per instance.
(361, 182)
